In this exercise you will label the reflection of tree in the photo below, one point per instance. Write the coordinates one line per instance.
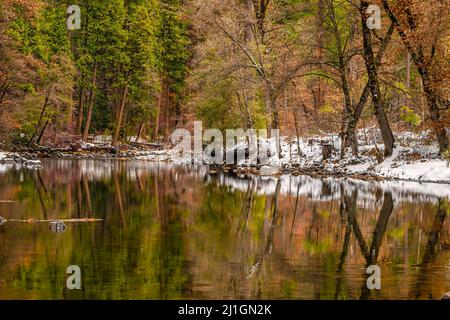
(156, 197)
(170, 257)
(139, 181)
(275, 213)
(347, 210)
(370, 255)
(247, 207)
(87, 192)
(189, 248)
(380, 228)
(79, 199)
(295, 208)
(117, 262)
(436, 230)
(269, 240)
(39, 193)
(118, 190)
(430, 249)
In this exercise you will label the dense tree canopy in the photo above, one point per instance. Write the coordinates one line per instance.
(144, 67)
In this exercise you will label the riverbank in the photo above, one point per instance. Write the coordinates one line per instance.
(415, 157)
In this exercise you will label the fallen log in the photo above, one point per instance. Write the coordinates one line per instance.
(32, 220)
(146, 144)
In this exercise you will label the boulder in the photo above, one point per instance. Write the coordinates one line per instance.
(57, 226)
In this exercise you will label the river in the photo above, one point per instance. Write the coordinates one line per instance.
(179, 232)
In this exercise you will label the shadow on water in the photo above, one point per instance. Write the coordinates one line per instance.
(171, 232)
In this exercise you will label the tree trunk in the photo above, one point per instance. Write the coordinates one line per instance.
(271, 105)
(249, 25)
(41, 116)
(271, 100)
(276, 126)
(275, 114)
(433, 106)
(244, 100)
(70, 115)
(158, 112)
(342, 73)
(347, 95)
(297, 132)
(141, 128)
(423, 69)
(166, 110)
(90, 104)
(123, 99)
(350, 135)
(347, 106)
(80, 108)
(39, 139)
(386, 133)
(408, 69)
(318, 54)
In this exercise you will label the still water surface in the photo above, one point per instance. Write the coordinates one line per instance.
(177, 232)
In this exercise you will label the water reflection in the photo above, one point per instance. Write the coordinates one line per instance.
(170, 232)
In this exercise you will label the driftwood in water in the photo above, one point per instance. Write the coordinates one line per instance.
(51, 220)
(146, 144)
(95, 147)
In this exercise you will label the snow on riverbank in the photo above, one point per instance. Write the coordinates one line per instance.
(415, 158)
(11, 159)
(436, 170)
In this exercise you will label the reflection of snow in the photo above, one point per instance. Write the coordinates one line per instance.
(94, 169)
(326, 189)
(320, 189)
(3, 168)
(315, 188)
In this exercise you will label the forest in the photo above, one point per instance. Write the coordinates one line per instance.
(357, 173)
(141, 68)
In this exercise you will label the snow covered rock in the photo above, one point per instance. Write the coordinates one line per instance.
(269, 171)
